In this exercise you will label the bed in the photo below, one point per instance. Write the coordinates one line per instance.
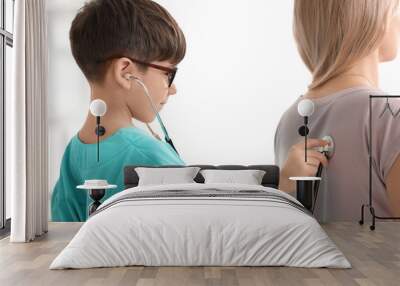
(201, 224)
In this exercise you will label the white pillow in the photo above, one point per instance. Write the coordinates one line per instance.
(248, 177)
(165, 176)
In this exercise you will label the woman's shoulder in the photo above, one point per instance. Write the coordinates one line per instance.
(291, 113)
(363, 100)
(357, 93)
(354, 100)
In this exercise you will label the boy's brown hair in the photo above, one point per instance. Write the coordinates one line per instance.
(141, 29)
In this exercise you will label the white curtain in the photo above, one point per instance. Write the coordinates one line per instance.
(26, 142)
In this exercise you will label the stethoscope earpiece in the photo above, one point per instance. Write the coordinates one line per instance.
(128, 76)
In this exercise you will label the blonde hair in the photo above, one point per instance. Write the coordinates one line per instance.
(332, 35)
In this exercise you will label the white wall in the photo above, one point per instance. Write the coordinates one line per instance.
(241, 72)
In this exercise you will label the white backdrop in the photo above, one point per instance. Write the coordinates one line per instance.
(240, 73)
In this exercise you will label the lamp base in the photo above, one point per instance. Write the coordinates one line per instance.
(96, 195)
(304, 193)
(304, 190)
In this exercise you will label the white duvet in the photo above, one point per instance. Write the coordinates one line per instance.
(192, 231)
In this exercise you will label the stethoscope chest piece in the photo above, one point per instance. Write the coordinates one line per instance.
(329, 149)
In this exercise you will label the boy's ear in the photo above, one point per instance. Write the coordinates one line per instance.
(122, 70)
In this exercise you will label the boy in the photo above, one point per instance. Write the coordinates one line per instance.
(113, 41)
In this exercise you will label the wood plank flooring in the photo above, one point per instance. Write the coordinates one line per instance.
(375, 257)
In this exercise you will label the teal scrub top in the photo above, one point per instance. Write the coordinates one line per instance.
(127, 146)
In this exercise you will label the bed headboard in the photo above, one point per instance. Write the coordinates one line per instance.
(270, 179)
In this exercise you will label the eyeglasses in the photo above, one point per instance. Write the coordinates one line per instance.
(171, 72)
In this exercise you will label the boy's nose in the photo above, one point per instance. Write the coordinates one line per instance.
(172, 90)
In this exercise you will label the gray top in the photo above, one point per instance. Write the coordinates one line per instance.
(344, 115)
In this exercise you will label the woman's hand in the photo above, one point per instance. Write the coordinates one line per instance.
(295, 166)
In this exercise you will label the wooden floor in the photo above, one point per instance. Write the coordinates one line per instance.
(375, 257)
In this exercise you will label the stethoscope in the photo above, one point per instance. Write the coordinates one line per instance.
(98, 108)
(163, 128)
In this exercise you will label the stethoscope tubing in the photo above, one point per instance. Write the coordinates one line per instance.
(163, 128)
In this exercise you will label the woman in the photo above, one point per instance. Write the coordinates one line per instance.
(342, 43)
